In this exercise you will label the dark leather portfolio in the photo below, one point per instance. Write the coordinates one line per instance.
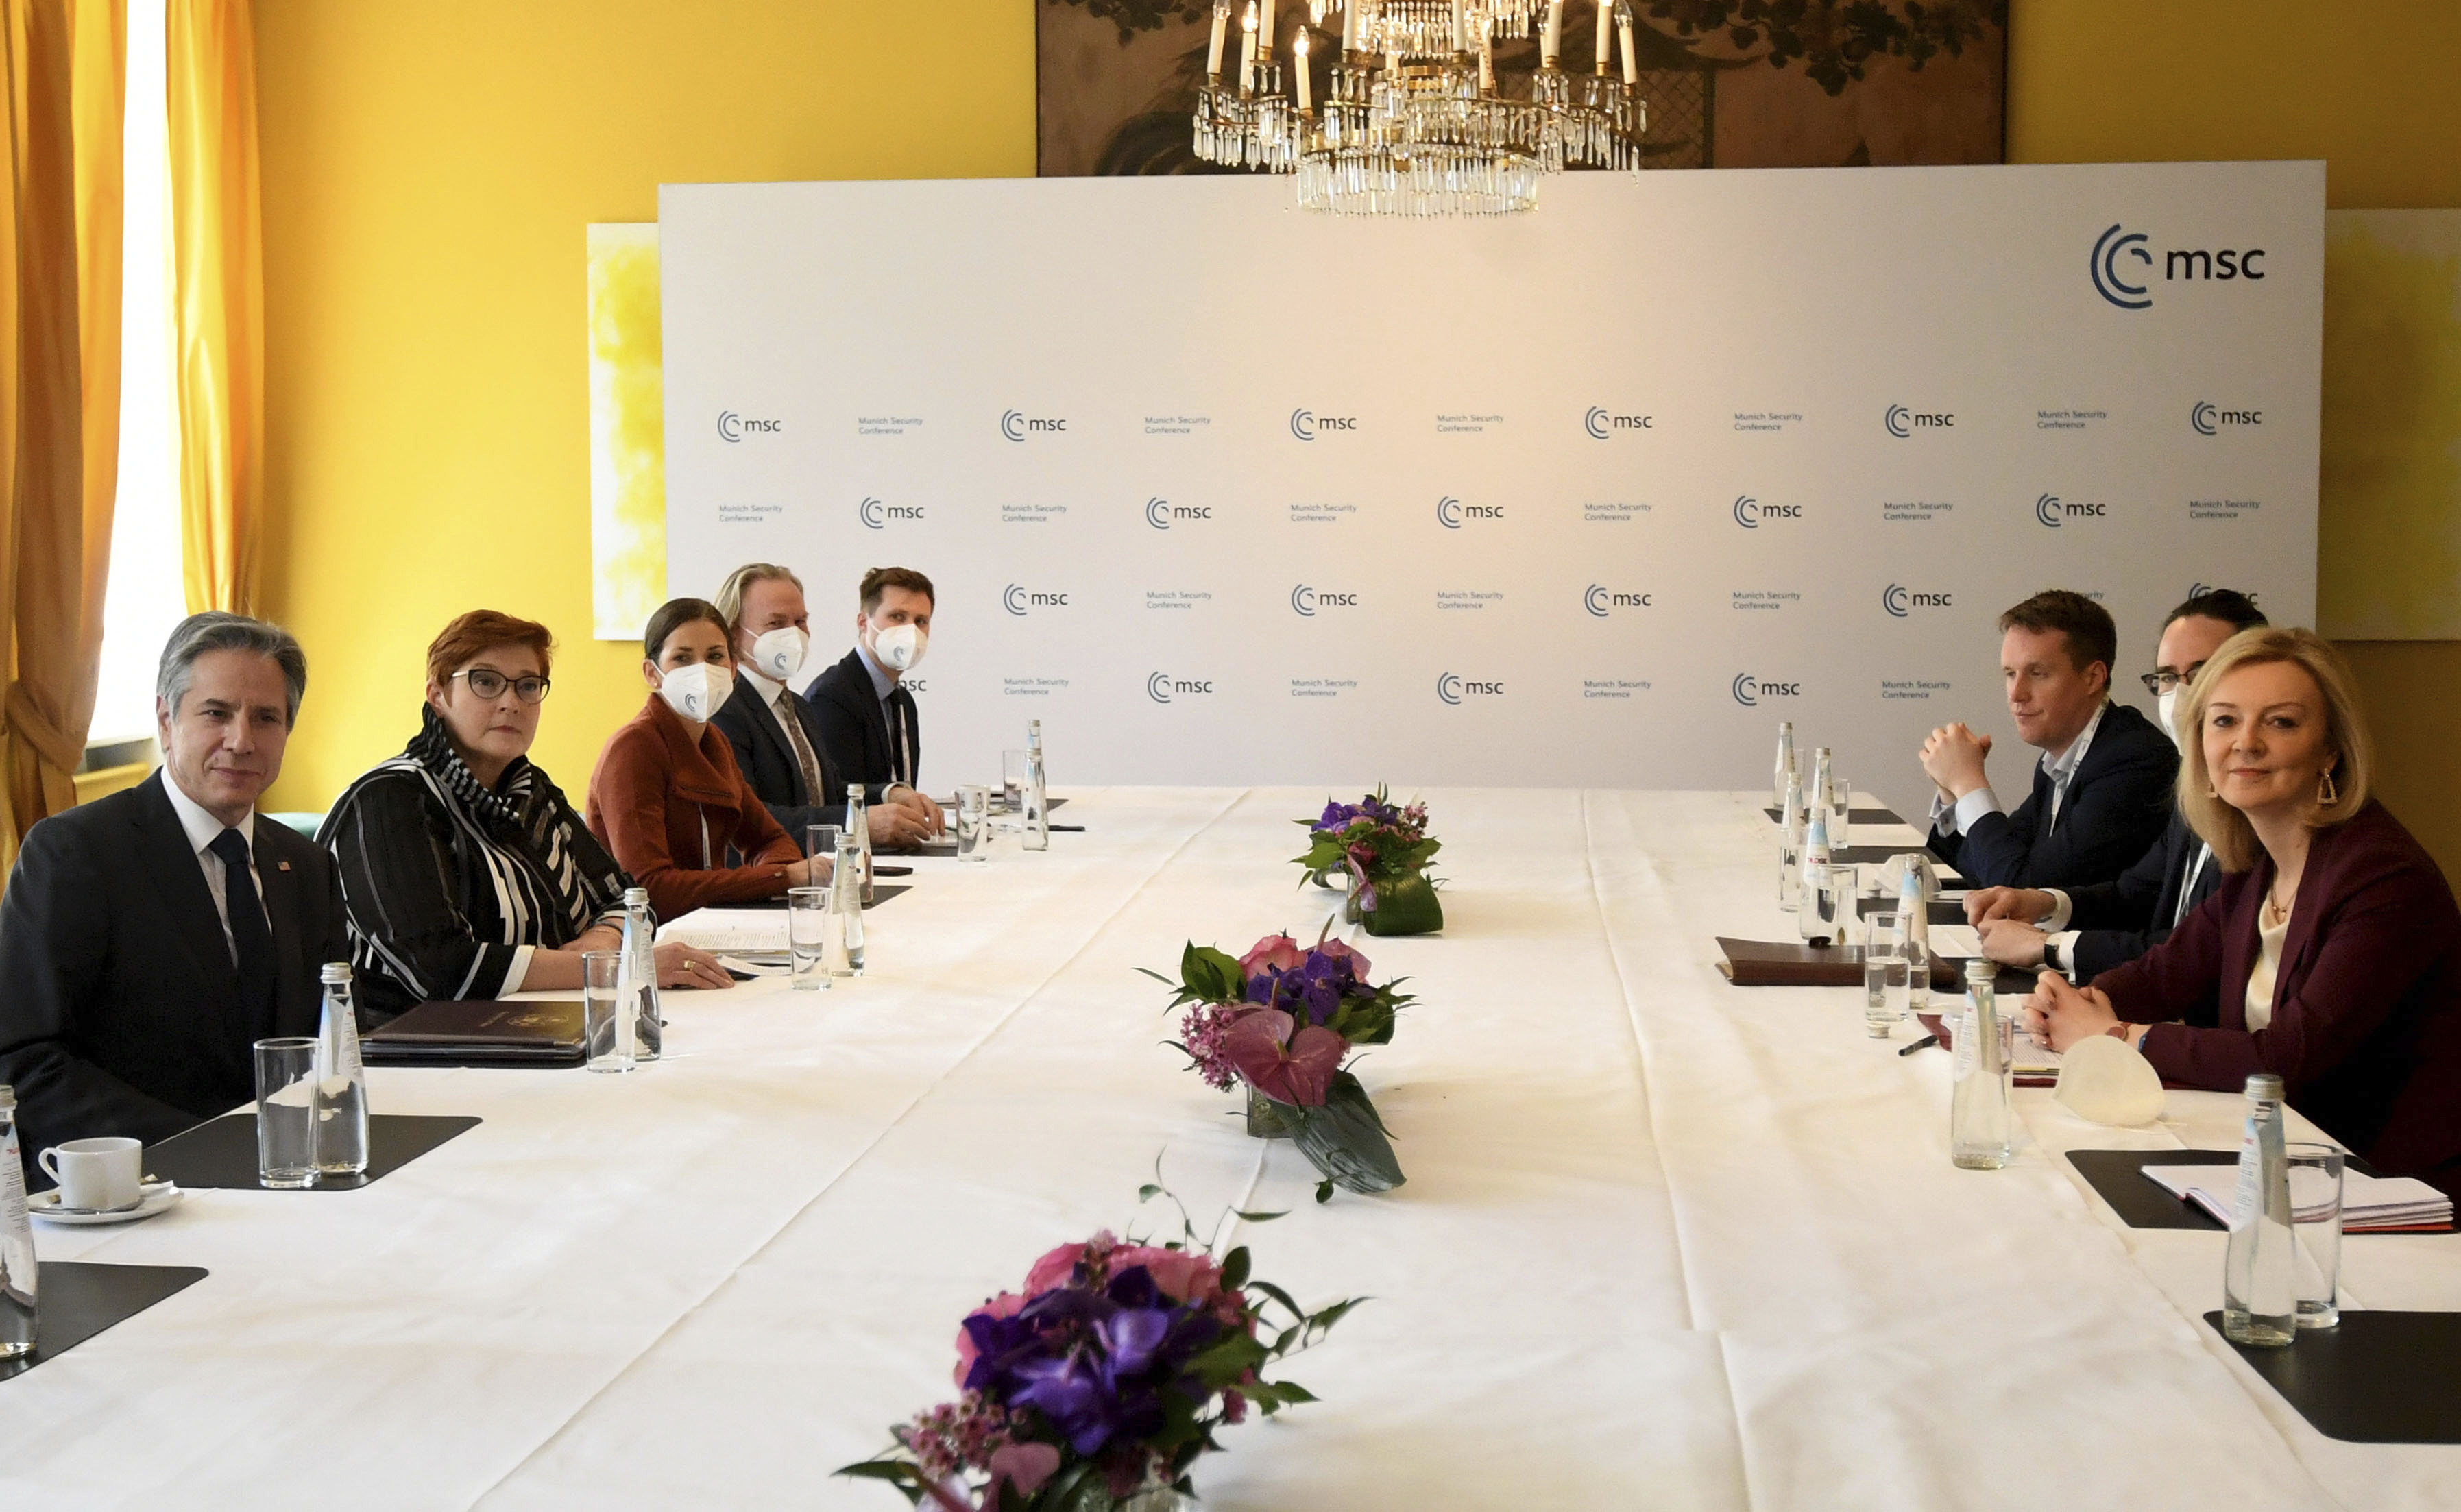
(481, 1033)
(1770, 963)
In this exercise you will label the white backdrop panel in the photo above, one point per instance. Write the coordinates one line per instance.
(1229, 493)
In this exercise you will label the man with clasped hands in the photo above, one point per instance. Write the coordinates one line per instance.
(150, 938)
(2102, 788)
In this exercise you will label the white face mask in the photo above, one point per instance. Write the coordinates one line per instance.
(695, 691)
(900, 647)
(779, 654)
(2166, 708)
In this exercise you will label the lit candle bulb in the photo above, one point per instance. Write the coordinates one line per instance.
(1213, 49)
(1631, 68)
(1349, 27)
(1606, 19)
(1460, 29)
(1248, 48)
(1300, 65)
(1485, 64)
(1554, 47)
(1268, 40)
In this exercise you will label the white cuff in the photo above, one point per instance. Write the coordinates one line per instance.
(2063, 909)
(1971, 808)
(517, 972)
(2059, 953)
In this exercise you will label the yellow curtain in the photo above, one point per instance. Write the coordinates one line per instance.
(66, 70)
(217, 298)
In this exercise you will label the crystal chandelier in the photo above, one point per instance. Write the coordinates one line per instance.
(1416, 120)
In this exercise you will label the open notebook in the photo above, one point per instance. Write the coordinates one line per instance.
(2368, 1203)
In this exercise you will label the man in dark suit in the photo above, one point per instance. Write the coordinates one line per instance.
(870, 727)
(2101, 791)
(2085, 931)
(778, 743)
(149, 939)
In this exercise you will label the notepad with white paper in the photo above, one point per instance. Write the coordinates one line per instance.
(2368, 1201)
(751, 932)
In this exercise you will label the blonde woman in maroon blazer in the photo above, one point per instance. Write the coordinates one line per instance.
(667, 798)
(2330, 956)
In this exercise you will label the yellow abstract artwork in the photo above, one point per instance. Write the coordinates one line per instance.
(2389, 479)
(627, 440)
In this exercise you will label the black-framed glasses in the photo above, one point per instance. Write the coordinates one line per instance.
(488, 683)
(2168, 682)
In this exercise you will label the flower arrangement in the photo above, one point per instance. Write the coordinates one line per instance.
(1097, 1385)
(1283, 1019)
(1385, 850)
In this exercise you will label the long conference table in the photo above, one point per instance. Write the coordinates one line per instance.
(1665, 1242)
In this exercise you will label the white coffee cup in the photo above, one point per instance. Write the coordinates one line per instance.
(97, 1175)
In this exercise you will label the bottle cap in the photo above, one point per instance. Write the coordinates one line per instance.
(2266, 1087)
(635, 895)
(1979, 969)
(335, 973)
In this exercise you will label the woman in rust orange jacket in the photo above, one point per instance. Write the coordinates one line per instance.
(667, 798)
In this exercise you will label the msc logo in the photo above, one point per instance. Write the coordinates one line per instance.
(1161, 512)
(2197, 591)
(1749, 512)
(1305, 601)
(1017, 599)
(734, 426)
(1306, 424)
(2051, 511)
(1900, 601)
(2120, 254)
(1600, 424)
(1452, 690)
(1903, 423)
(1017, 426)
(2208, 419)
(1163, 687)
(1749, 691)
(1450, 512)
(876, 515)
(1600, 600)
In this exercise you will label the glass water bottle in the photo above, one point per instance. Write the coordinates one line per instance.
(636, 986)
(846, 900)
(2259, 1288)
(1789, 851)
(19, 1314)
(1785, 761)
(1977, 1103)
(341, 1100)
(858, 828)
(1037, 828)
(1813, 883)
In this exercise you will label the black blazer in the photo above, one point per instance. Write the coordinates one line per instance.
(2117, 922)
(121, 1014)
(767, 761)
(2117, 806)
(854, 730)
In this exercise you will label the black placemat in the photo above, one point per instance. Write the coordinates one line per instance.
(78, 1299)
(220, 1153)
(1853, 816)
(2118, 1176)
(1941, 912)
(2379, 1378)
(881, 893)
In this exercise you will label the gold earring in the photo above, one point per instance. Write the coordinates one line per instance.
(2328, 792)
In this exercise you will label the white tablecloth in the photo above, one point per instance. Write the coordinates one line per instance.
(1665, 1242)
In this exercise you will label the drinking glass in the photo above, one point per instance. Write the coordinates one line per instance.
(1841, 909)
(602, 972)
(1789, 874)
(821, 839)
(811, 930)
(1822, 908)
(1013, 780)
(1841, 810)
(286, 1113)
(973, 834)
(1884, 977)
(2316, 1231)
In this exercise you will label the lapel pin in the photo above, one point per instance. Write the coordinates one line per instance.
(282, 865)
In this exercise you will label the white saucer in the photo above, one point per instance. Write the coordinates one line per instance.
(159, 1197)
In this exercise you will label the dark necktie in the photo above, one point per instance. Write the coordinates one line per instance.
(901, 719)
(249, 932)
(813, 790)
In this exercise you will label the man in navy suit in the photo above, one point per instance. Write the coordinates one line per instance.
(150, 938)
(869, 722)
(2102, 790)
(2085, 931)
(778, 743)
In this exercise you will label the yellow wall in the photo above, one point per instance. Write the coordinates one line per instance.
(430, 165)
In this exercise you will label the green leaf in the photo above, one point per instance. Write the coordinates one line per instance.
(1346, 1142)
(1324, 1190)
(1259, 1218)
(1293, 1392)
(1280, 1295)
(1234, 1269)
(1148, 1192)
(1319, 1322)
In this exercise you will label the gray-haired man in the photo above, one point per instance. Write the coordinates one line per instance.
(150, 938)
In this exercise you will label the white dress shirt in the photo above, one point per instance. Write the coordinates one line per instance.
(203, 829)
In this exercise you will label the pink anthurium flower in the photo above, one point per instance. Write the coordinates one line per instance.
(1296, 1070)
